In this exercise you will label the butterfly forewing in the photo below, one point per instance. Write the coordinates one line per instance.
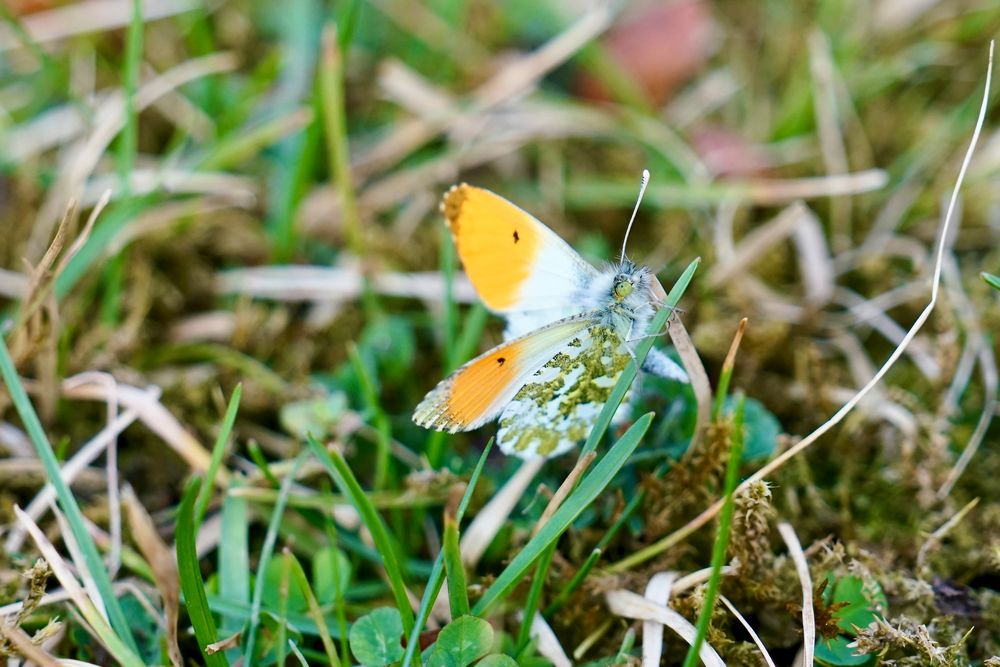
(556, 408)
(514, 261)
(479, 390)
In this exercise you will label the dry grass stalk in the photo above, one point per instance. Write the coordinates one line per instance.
(934, 539)
(699, 378)
(564, 489)
(753, 245)
(631, 605)
(658, 592)
(547, 643)
(87, 16)
(987, 367)
(753, 634)
(478, 534)
(70, 471)
(27, 648)
(808, 613)
(314, 283)
(161, 562)
(153, 414)
(109, 118)
(831, 137)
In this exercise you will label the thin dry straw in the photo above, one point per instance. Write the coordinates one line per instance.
(706, 516)
(808, 614)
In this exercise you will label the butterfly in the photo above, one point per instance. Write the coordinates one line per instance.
(571, 329)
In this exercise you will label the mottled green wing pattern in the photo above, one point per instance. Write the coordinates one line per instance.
(558, 406)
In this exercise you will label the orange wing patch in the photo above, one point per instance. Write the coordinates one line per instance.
(479, 390)
(467, 396)
(498, 243)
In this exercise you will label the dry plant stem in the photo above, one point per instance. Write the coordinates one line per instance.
(753, 634)
(631, 605)
(935, 538)
(155, 416)
(699, 379)
(707, 515)
(831, 137)
(808, 614)
(22, 642)
(341, 283)
(109, 119)
(730, 361)
(547, 643)
(754, 244)
(591, 639)
(62, 572)
(478, 534)
(161, 561)
(70, 470)
(511, 81)
(658, 592)
(987, 367)
(89, 16)
(567, 485)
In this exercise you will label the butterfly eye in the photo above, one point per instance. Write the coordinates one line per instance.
(622, 289)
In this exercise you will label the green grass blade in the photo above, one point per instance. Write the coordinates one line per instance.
(217, 451)
(383, 440)
(722, 537)
(342, 476)
(591, 485)
(331, 91)
(534, 597)
(458, 595)
(234, 563)
(190, 576)
(270, 538)
(991, 280)
(315, 613)
(67, 502)
(128, 141)
(437, 573)
(625, 381)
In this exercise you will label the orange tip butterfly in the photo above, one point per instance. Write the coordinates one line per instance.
(571, 329)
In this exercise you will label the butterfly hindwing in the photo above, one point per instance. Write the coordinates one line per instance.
(556, 408)
(479, 390)
(514, 261)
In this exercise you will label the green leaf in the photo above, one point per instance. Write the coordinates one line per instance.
(121, 641)
(441, 658)
(314, 416)
(276, 585)
(190, 576)
(760, 429)
(437, 572)
(837, 653)
(590, 487)
(465, 640)
(348, 484)
(991, 280)
(375, 638)
(458, 597)
(497, 660)
(326, 565)
(863, 606)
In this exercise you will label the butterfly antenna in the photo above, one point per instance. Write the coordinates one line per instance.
(642, 189)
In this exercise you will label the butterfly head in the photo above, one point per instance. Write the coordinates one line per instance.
(630, 282)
